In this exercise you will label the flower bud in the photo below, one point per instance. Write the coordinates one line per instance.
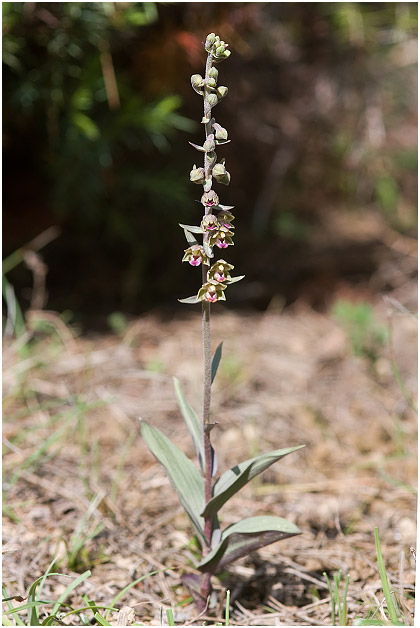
(212, 99)
(210, 199)
(209, 145)
(197, 82)
(220, 132)
(211, 82)
(214, 73)
(212, 158)
(210, 39)
(197, 175)
(209, 223)
(221, 174)
(222, 91)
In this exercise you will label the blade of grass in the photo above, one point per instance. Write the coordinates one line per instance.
(384, 580)
(227, 608)
(69, 589)
(133, 584)
(170, 617)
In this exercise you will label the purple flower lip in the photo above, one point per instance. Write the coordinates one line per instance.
(195, 261)
(211, 297)
(219, 277)
(221, 245)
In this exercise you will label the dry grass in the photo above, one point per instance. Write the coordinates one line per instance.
(75, 466)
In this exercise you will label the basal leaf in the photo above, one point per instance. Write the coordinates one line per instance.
(233, 480)
(244, 537)
(216, 361)
(185, 477)
(192, 422)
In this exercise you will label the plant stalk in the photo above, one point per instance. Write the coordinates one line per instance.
(205, 579)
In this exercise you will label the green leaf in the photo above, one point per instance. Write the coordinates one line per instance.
(190, 238)
(216, 361)
(244, 537)
(189, 300)
(191, 228)
(234, 479)
(235, 279)
(192, 422)
(86, 125)
(184, 476)
(194, 427)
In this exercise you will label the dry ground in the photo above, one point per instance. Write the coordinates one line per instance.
(74, 460)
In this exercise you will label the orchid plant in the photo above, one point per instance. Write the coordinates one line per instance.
(201, 495)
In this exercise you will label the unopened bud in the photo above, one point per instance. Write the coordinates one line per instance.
(197, 82)
(222, 91)
(210, 39)
(212, 99)
(214, 73)
(197, 175)
(209, 145)
(212, 158)
(211, 82)
(221, 174)
(220, 132)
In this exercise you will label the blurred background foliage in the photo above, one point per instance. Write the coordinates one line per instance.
(98, 111)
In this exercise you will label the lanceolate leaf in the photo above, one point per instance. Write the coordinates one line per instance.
(244, 537)
(191, 228)
(190, 238)
(235, 279)
(194, 428)
(216, 361)
(192, 422)
(233, 480)
(189, 300)
(184, 476)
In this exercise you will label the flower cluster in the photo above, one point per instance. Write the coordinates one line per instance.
(216, 225)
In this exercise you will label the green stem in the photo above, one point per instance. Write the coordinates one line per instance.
(205, 579)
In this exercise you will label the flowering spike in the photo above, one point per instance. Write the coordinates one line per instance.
(216, 225)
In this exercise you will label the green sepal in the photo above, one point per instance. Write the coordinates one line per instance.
(183, 474)
(235, 478)
(244, 537)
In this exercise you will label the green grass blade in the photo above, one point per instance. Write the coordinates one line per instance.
(69, 589)
(170, 617)
(332, 598)
(384, 580)
(133, 584)
(227, 608)
(185, 477)
(101, 620)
